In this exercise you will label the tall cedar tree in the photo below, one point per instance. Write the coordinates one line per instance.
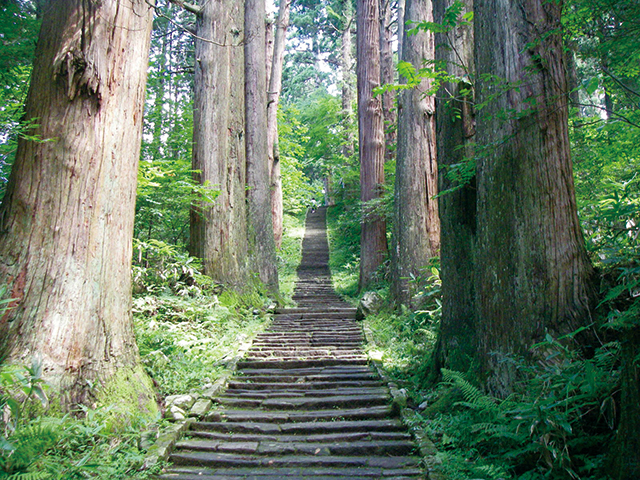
(373, 240)
(219, 229)
(273, 99)
(387, 71)
(416, 225)
(67, 217)
(346, 65)
(455, 129)
(260, 228)
(532, 274)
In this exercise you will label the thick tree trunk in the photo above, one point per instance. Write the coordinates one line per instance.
(387, 71)
(400, 29)
(455, 127)
(67, 218)
(346, 65)
(260, 229)
(273, 98)
(219, 229)
(532, 271)
(416, 225)
(373, 241)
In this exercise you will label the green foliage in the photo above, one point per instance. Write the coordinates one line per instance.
(186, 342)
(19, 27)
(290, 253)
(553, 426)
(90, 444)
(297, 189)
(160, 267)
(343, 230)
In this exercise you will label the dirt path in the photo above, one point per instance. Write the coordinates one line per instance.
(304, 403)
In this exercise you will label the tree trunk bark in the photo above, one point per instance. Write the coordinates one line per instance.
(66, 223)
(260, 229)
(416, 225)
(387, 71)
(401, 21)
(273, 98)
(455, 130)
(219, 228)
(373, 240)
(346, 64)
(533, 275)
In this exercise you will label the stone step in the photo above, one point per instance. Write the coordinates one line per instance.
(317, 370)
(290, 364)
(303, 353)
(318, 449)
(304, 402)
(269, 473)
(269, 392)
(311, 438)
(248, 415)
(315, 461)
(302, 428)
(300, 357)
(283, 378)
(302, 385)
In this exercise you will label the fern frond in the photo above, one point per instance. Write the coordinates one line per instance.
(472, 394)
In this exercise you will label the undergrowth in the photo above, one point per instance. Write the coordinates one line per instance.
(290, 253)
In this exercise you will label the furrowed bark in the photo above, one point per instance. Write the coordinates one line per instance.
(373, 241)
(416, 225)
(260, 228)
(455, 127)
(67, 218)
(273, 98)
(219, 229)
(535, 276)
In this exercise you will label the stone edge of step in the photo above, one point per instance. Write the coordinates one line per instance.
(427, 448)
(167, 438)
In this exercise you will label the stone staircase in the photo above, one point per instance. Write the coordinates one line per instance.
(304, 403)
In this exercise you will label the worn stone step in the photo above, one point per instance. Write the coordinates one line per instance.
(319, 449)
(235, 460)
(304, 402)
(270, 364)
(290, 473)
(317, 370)
(301, 428)
(302, 353)
(269, 392)
(302, 385)
(247, 415)
(259, 474)
(329, 309)
(318, 437)
(267, 375)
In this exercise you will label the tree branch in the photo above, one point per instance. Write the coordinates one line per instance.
(189, 7)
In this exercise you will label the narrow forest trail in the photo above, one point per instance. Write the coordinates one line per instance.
(304, 403)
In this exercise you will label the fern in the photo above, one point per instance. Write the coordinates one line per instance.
(28, 444)
(474, 398)
(29, 476)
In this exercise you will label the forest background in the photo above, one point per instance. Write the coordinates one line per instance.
(562, 412)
